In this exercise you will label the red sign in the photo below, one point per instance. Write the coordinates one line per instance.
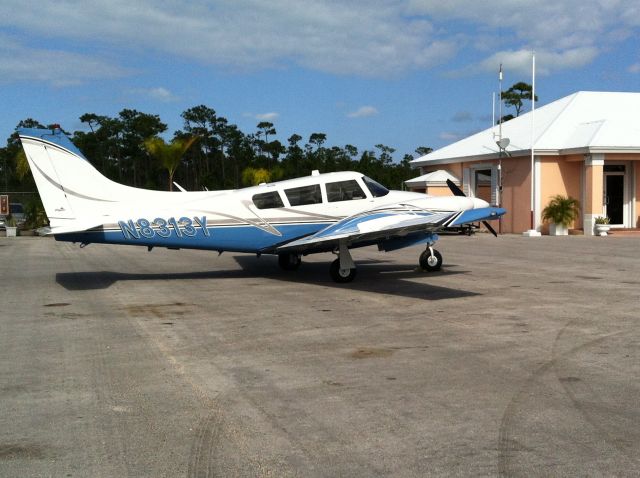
(4, 205)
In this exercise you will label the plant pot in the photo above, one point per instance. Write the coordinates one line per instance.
(602, 229)
(11, 231)
(558, 230)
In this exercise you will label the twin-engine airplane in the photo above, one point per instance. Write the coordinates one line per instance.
(319, 213)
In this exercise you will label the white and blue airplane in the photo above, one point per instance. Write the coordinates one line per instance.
(319, 213)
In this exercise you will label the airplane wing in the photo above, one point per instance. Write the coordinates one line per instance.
(383, 224)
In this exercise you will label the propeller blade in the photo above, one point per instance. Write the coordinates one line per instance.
(491, 229)
(455, 189)
(458, 192)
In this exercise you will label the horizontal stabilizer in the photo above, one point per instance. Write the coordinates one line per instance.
(74, 226)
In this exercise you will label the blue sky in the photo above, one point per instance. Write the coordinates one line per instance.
(402, 73)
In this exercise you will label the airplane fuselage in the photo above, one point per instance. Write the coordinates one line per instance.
(254, 219)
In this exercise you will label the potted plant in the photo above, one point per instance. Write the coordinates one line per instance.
(10, 226)
(602, 225)
(561, 211)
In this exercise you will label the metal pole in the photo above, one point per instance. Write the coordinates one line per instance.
(533, 110)
(500, 103)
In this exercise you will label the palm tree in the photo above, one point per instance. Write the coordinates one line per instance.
(169, 154)
(561, 210)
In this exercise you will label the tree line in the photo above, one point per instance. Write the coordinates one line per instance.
(211, 153)
(208, 152)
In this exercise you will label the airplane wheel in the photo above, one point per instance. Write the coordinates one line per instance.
(289, 261)
(430, 263)
(341, 275)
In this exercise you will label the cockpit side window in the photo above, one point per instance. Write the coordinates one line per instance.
(304, 195)
(344, 191)
(377, 189)
(267, 200)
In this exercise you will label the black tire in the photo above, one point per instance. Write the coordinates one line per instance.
(429, 264)
(341, 276)
(289, 261)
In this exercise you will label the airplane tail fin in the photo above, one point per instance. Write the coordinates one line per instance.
(71, 189)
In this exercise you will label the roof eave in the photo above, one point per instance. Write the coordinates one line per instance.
(416, 163)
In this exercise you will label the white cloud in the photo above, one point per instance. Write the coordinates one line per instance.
(462, 117)
(363, 112)
(368, 38)
(449, 136)
(377, 38)
(267, 116)
(262, 116)
(58, 68)
(158, 93)
(635, 68)
(565, 34)
(519, 62)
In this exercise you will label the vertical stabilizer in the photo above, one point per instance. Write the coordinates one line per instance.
(43, 149)
(73, 192)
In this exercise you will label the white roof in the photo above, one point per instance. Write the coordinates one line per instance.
(435, 178)
(584, 122)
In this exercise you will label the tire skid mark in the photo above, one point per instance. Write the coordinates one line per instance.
(201, 455)
(102, 374)
(508, 447)
(223, 429)
(202, 458)
(569, 385)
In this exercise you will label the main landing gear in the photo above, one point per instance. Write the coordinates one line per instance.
(430, 259)
(343, 269)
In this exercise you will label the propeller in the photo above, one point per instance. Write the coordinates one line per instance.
(458, 192)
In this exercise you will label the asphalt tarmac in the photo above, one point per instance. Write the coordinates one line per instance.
(520, 358)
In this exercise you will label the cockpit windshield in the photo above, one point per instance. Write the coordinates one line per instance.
(377, 189)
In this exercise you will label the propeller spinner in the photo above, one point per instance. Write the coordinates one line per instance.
(458, 192)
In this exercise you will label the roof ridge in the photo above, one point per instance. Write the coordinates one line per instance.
(561, 113)
(598, 130)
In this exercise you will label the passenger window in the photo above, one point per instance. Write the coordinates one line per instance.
(267, 200)
(344, 191)
(304, 195)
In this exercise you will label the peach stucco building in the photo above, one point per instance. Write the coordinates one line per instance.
(586, 145)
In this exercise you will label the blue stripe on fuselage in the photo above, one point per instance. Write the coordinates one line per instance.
(245, 238)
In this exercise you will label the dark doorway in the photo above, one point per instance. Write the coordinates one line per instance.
(482, 181)
(614, 198)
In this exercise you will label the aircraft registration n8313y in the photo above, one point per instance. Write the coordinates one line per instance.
(319, 213)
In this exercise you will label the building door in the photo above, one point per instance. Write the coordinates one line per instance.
(614, 196)
(481, 182)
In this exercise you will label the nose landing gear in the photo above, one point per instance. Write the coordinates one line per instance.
(430, 259)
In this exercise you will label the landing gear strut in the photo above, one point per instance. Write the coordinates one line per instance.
(343, 269)
(289, 261)
(430, 259)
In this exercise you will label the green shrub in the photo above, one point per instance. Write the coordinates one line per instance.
(561, 210)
